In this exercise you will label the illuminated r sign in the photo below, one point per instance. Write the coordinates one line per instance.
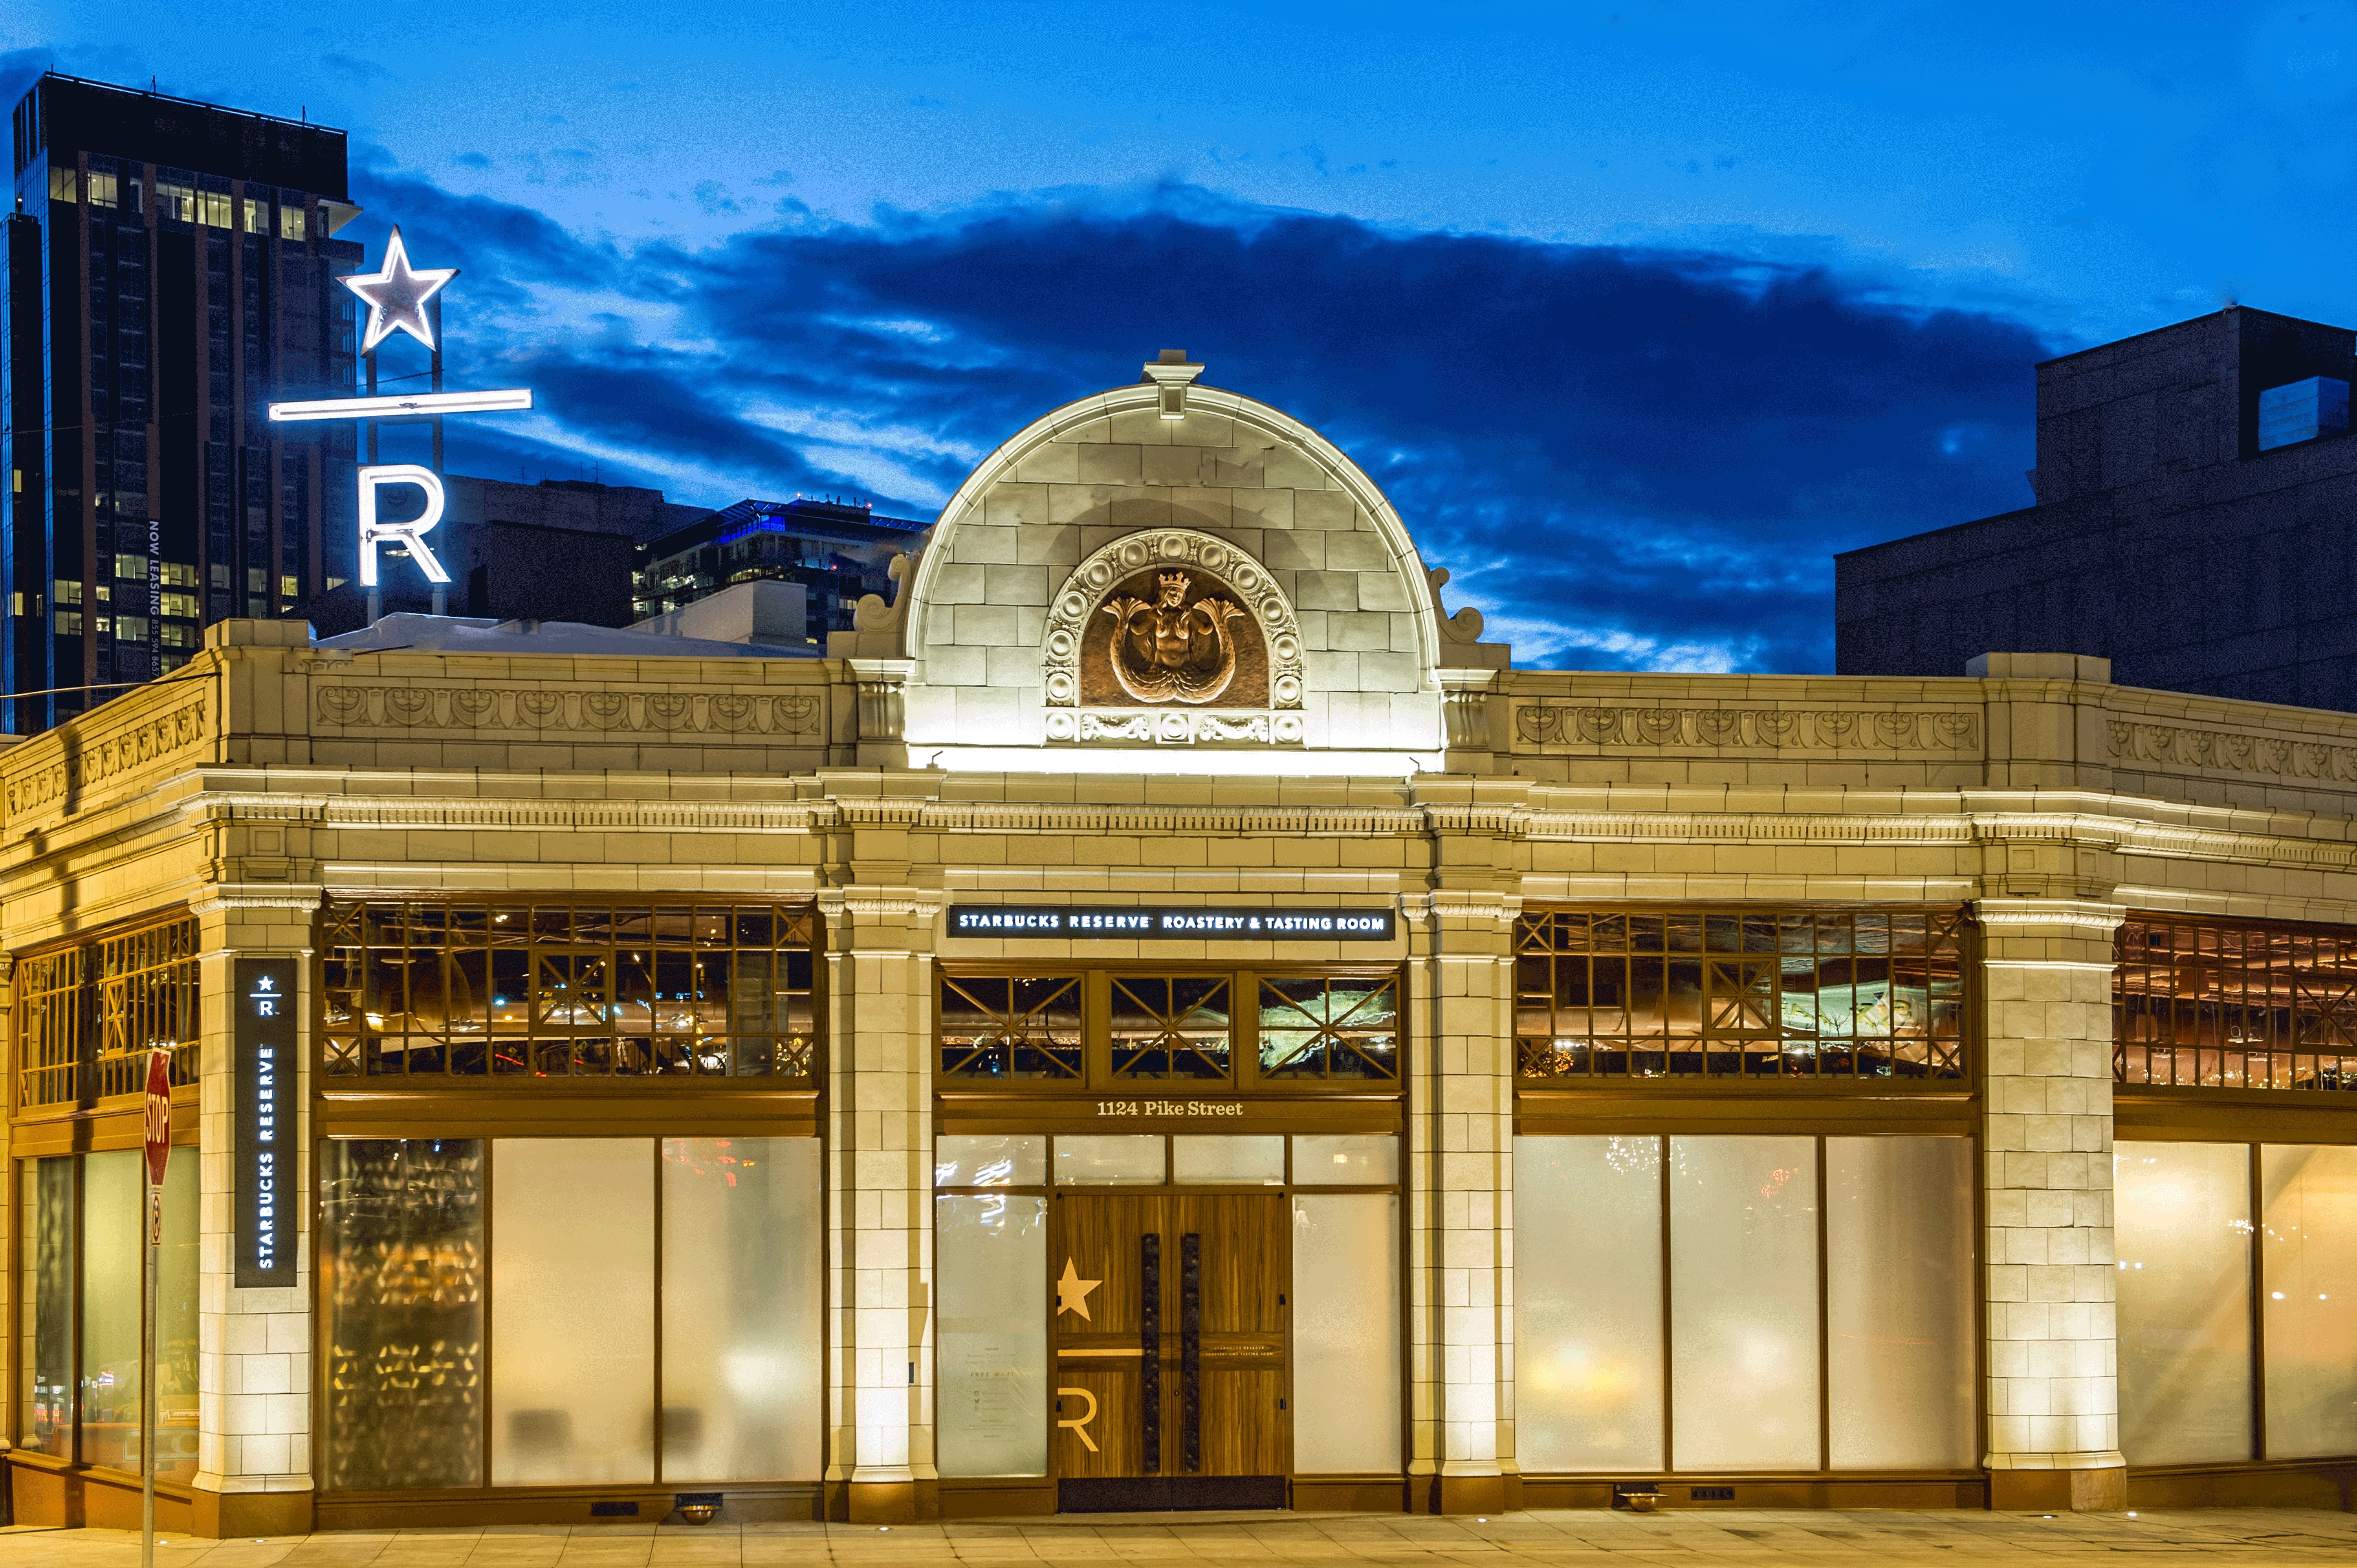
(411, 532)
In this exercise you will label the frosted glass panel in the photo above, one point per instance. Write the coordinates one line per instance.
(1002, 1160)
(1743, 1302)
(2183, 1214)
(1229, 1160)
(1348, 1159)
(1109, 1161)
(1346, 1332)
(111, 1192)
(741, 1338)
(573, 1310)
(991, 1254)
(2309, 1267)
(1899, 1303)
(1588, 1304)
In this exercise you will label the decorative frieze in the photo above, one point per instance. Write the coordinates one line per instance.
(2228, 751)
(1826, 729)
(88, 763)
(795, 716)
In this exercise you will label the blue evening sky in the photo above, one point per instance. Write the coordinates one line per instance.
(1638, 311)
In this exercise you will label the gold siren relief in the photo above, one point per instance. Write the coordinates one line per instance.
(1172, 636)
(1172, 649)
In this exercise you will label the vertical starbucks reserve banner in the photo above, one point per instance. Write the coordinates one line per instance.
(265, 1183)
(1281, 923)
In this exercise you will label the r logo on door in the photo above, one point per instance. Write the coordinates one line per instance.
(1080, 1426)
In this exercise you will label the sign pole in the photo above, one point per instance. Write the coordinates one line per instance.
(158, 1140)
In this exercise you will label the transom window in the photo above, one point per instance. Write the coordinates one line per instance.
(86, 1016)
(1113, 1026)
(569, 991)
(1740, 993)
(2207, 1005)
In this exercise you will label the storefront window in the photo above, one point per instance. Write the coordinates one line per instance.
(401, 1259)
(88, 1015)
(742, 1265)
(1740, 1381)
(2206, 1004)
(991, 1252)
(1899, 1303)
(2183, 1244)
(570, 1392)
(2308, 1309)
(1346, 1331)
(1758, 992)
(101, 1225)
(569, 991)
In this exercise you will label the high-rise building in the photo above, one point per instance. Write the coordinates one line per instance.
(2194, 494)
(170, 272)
(838, 552)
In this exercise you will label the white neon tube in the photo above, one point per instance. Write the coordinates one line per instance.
(405, 403)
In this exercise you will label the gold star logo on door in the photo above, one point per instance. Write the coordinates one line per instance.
(1072, 1292)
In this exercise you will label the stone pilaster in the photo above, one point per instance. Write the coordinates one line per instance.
(2053, 1360)
(254, 1347)
(1459, 1191)
(879, 1222)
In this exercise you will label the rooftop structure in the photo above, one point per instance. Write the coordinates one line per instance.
(2196, 499)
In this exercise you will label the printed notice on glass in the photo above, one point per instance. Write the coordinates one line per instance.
(992, 1388)
(265, 1228)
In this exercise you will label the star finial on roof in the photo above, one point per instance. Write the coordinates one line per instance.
(396, 296)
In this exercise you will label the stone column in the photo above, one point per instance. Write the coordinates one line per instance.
(254, 1347)
(1459, 1188)
(2045, 1151)
(880, 1213)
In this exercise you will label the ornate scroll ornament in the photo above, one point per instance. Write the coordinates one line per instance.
(1184, 647)
(1906, 729)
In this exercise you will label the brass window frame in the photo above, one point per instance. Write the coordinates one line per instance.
(79, 1005)
(343, 1055)
(1097, 1075)
(1726, 1042)
(2285, 1011)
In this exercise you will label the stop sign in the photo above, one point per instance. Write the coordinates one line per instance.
(159, 1114)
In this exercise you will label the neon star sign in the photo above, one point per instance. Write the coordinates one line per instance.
(396, 296)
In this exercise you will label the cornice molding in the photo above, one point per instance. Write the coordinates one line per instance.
(879, 903)
(305, 897)
(2075, 916)
(1959, 830)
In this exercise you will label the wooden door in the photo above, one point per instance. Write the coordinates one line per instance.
(1170, 1318)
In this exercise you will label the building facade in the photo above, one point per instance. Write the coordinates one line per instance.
(1163, 1015)
(170, 269)
(840, 552)
(2195, 492)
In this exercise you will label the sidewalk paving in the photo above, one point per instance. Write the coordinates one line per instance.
(1690, 1538)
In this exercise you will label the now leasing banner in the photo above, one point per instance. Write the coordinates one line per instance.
(265, 1229)
(1282, 923)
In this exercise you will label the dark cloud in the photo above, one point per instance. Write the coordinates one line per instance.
(1634, 456)
(359, 73)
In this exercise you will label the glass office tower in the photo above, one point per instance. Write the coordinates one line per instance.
(170, 271)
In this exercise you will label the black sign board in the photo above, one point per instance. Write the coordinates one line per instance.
(265, 1229)
(1282, 923)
